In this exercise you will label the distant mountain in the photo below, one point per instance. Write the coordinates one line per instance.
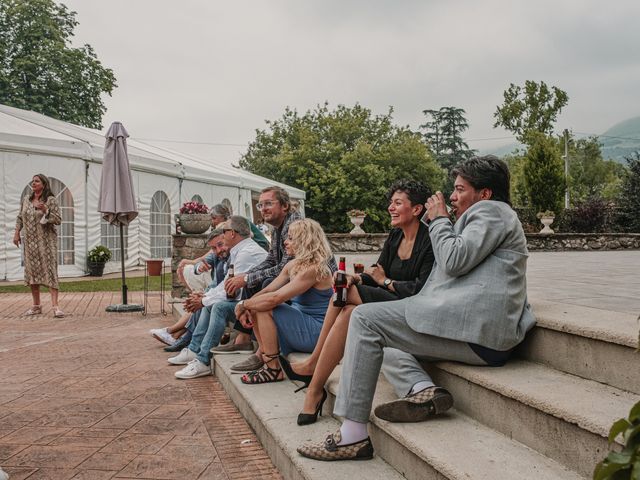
(621, 140)
(618, 142)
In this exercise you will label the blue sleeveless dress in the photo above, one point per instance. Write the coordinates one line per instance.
(299, 324)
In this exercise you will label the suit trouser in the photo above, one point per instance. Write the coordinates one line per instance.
(375, 327)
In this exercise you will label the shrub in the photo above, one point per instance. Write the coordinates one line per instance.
(589, 216)
(626, 464)
(99, 254)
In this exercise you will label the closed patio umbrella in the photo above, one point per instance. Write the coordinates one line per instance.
(117, 201)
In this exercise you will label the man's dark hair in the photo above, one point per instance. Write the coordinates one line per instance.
(417, 192)
(486, 172)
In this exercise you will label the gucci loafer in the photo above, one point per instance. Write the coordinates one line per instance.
(416, 407)
(330, 451)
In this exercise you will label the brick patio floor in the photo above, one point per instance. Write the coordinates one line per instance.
(91, 396)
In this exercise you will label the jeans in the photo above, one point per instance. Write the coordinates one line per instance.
(210, 328)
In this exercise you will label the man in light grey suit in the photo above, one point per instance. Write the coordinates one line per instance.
(472, 309)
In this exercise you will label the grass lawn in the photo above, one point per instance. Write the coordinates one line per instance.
(99, 285)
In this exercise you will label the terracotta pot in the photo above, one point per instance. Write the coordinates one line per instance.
(154, 267)
(194, 222)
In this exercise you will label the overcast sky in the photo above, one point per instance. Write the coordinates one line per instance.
(212, 71)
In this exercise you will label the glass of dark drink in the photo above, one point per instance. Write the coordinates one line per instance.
(358, 268)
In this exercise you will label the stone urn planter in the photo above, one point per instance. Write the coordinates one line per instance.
(546, 218)
(357, 217)
(194, 222)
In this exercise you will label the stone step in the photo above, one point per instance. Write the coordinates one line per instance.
(452, 447)
(562, 416)
(588, 342)
(271, 410)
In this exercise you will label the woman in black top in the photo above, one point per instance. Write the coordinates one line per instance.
(401, 271)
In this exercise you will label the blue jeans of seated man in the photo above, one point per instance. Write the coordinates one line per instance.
(210, 328)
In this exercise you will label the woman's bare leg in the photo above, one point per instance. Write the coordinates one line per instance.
(329, 358)
(35, 294)
(264, 328)
(307, 366)
(179, 327)
(54, 296)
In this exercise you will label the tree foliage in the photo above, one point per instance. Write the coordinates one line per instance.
(40, 71)
(629, 199)
(443, 132)
(532, 108)
(590, 176)
(344, 159)
(543, 172)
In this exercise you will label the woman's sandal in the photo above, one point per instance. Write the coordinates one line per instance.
(34, 310)
(265, 374)
(57, 313)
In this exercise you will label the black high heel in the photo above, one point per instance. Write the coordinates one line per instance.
(291, 375)
(309, 418)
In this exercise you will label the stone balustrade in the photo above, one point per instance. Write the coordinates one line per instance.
(192, 246)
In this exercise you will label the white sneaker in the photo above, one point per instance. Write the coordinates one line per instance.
(162, 335)
(194, 369)
(183, 358)
(3, 475)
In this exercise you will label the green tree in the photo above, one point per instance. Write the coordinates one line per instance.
(590, 176)
(532, 108)
(344, 159)
(543, 172)
(443, 132)
(40, 71)
(629, 199)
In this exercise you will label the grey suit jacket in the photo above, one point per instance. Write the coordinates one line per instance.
(477, 290)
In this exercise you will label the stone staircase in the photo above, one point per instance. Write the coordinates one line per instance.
(545, 415)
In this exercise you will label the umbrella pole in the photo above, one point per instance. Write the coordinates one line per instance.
(124, 284)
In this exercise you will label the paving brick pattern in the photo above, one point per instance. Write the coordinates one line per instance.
(91, 396)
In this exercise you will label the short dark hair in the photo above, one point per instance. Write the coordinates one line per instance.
(216, 232)
(417, 192)
(486, 172)
(281, 195)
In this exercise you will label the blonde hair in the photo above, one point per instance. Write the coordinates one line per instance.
(312, 250)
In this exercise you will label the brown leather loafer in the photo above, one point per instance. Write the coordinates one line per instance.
(417, 407)
(330, 451)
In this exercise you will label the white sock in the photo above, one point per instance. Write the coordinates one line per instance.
(418, 387)
(352, 432)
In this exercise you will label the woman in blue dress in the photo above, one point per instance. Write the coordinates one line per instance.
(307, 282)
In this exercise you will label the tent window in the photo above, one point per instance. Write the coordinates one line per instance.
(197, 198)
(227, 204)
(66, 243)
(110, 238)
(160, 225)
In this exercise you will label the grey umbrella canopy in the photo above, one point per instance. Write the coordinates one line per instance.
(117, 201)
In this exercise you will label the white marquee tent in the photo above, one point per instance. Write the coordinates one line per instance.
(71, 156)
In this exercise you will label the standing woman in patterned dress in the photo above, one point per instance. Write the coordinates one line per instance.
(38, 215)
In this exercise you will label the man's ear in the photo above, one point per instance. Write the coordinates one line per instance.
(486, 194)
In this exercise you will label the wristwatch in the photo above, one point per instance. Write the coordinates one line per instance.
(386, 283)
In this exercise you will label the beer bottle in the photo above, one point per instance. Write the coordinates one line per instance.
(230, 274)
(340, 285)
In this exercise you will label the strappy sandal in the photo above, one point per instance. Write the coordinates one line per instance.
(266, 374)
(34, 310)
(57, 313)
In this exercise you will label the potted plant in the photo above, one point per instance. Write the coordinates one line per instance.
(356, 217)
(96, 258)
(194, 217)
(546, 218)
